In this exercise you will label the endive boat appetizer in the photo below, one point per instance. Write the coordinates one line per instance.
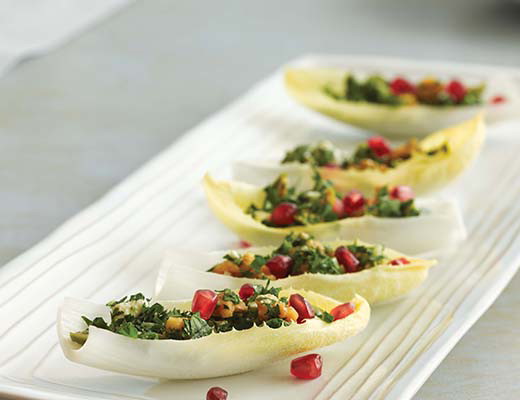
(339, 269)
(425, 165)
(217, 333)
(395, 108)
(264, 216)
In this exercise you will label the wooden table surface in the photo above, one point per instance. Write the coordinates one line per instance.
(115, 96)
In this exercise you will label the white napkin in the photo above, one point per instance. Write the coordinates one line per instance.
(30, 27)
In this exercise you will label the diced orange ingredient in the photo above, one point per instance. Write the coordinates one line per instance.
(227, 268)
(226, 308)
(428, 90)
(248, 258)
(174, 324)
(288, 313)
(262, 310)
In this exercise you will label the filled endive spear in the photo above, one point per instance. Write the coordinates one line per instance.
(426, 165)
(339, 269)
(217, 333)
(392, 216)
(397, 108)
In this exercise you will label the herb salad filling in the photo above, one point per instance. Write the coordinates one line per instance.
(283, 206)
(300, 253)
(375, 153)
(400, 91)
(212, 312)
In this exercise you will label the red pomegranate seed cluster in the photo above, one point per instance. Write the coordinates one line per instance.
(456, 90)
(399, 261)
(353, 203)
(402, 193)
(379, 145)
(342, 311)
(401, 86)
(204, 301)
(216, 393)
(346, 259)
(246, 291)
(284, 214)
(302, 307)
(338, 208)
(307, 367)
(280, 266)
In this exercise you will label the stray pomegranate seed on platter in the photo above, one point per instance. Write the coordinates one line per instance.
(244, 244)
(498, 99)
(216, 393)
(307, 367)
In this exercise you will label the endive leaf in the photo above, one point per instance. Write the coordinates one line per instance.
(218, 354)
(439, 225)
(183, 271)
(423, 173)
(306, 85)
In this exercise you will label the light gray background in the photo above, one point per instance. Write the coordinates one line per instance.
(77, 121)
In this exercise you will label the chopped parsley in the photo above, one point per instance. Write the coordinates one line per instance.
(323, 315)
(308, 255)
(138, 318)
(430, 91)
(368, 256)
(325, 154)
(321, 154)
(316, 206)
(229, 295)
(385, 206)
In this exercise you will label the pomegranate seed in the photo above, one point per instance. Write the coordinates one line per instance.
(307, 367)
(498, 99)
(456, 90)
(337, 208)
(244, 244)
(216, 393)
(353, 203)
(401, 85)
(283, 214)
(346, 259)
(342, 311)
(279, 266)
(379, 145)
(204, 301)
(246, 291)
(302, 307)
(402, 193)
(399, 261)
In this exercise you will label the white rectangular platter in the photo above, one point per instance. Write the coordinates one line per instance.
(114, 248)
